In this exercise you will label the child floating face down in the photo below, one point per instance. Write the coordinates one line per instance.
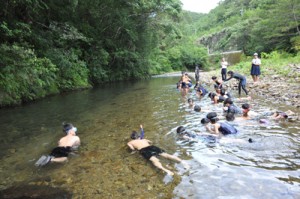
(151, 152)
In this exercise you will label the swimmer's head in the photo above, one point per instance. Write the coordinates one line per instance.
(211, 115)
(180, 130)
(67, 127)
(246, 108)
(134, 135)
(283, 115)
(230, 117)
(214, 120)
(227, 102)
(212, 95)
(230, 73)
(190, 101)
(204, 121)
(197, 108)
(214, 78)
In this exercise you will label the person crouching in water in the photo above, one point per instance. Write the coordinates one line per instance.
(151, 152)
(220, 128)
(66, 144)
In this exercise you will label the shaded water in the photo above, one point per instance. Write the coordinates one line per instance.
(105, 168)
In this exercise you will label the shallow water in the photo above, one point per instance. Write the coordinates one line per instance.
(105, 168)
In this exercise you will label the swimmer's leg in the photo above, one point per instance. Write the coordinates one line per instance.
(155, 161)
(244, 88)
(240, 86)
(60, 160)
(175, 158)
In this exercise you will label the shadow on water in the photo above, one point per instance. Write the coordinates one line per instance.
(105, 168)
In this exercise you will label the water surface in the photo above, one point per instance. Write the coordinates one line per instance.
(105, 168)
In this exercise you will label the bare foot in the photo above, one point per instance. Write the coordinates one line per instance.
(185, 165)
(169, 172)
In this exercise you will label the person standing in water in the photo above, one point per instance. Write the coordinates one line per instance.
(66, 144)
(151, 152)
(224, 65)
(255, 68)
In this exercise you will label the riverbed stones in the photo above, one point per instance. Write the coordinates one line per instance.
(32, 191)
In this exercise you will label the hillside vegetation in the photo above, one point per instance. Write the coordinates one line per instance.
(49, 47)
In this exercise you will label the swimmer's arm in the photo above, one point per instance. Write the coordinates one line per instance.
(150, 142)
(77, 143)
(215, 100)
(228, 79)
(217, 126)
(131, 146)
(209, 129)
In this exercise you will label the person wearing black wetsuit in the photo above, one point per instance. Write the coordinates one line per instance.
(242, 81)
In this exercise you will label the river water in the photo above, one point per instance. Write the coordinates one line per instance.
(105, 168)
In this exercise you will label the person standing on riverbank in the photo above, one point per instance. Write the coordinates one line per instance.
(151, 152)
(224, 65)
(197, 73)
(255, 68)
(66, 145)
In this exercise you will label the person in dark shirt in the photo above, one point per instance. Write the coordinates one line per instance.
(242, 81)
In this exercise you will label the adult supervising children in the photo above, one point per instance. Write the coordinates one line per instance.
(224, 65)
(255, 68)
(242, 81)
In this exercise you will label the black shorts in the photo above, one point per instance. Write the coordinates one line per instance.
(150, 151)
(61, 152)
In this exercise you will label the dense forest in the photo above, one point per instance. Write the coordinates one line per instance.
(49, 47)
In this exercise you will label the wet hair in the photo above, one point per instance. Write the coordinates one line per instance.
(223, 91)
(204, 121)
(211, 115)
(213, 77)
(214, 120)
(180, 130)
(134, 135)
(67, 127)
(228, 101)
(230, 72)
(212, 95)
(245, 106)
(190, 100)
(197, 108)
(230, 116)
(283, 114)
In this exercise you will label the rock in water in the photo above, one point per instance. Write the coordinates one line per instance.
(36, 192)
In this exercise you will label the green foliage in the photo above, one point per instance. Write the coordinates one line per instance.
(23, 76)
(70, 44)
(276, 62)
(73, 72)
(296, 43)
(251, 25)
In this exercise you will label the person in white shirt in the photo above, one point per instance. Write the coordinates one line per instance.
(255, 69)
(224, 65)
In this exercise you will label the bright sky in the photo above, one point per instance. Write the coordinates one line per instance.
(201, 6)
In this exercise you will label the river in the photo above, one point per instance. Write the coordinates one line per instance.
(105, 168)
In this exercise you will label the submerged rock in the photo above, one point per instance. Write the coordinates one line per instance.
(32, 191)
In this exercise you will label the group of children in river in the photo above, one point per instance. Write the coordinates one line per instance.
(216, 131)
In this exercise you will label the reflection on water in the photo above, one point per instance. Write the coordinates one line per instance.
(105, 168)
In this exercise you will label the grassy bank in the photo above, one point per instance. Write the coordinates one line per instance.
(275, 63)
